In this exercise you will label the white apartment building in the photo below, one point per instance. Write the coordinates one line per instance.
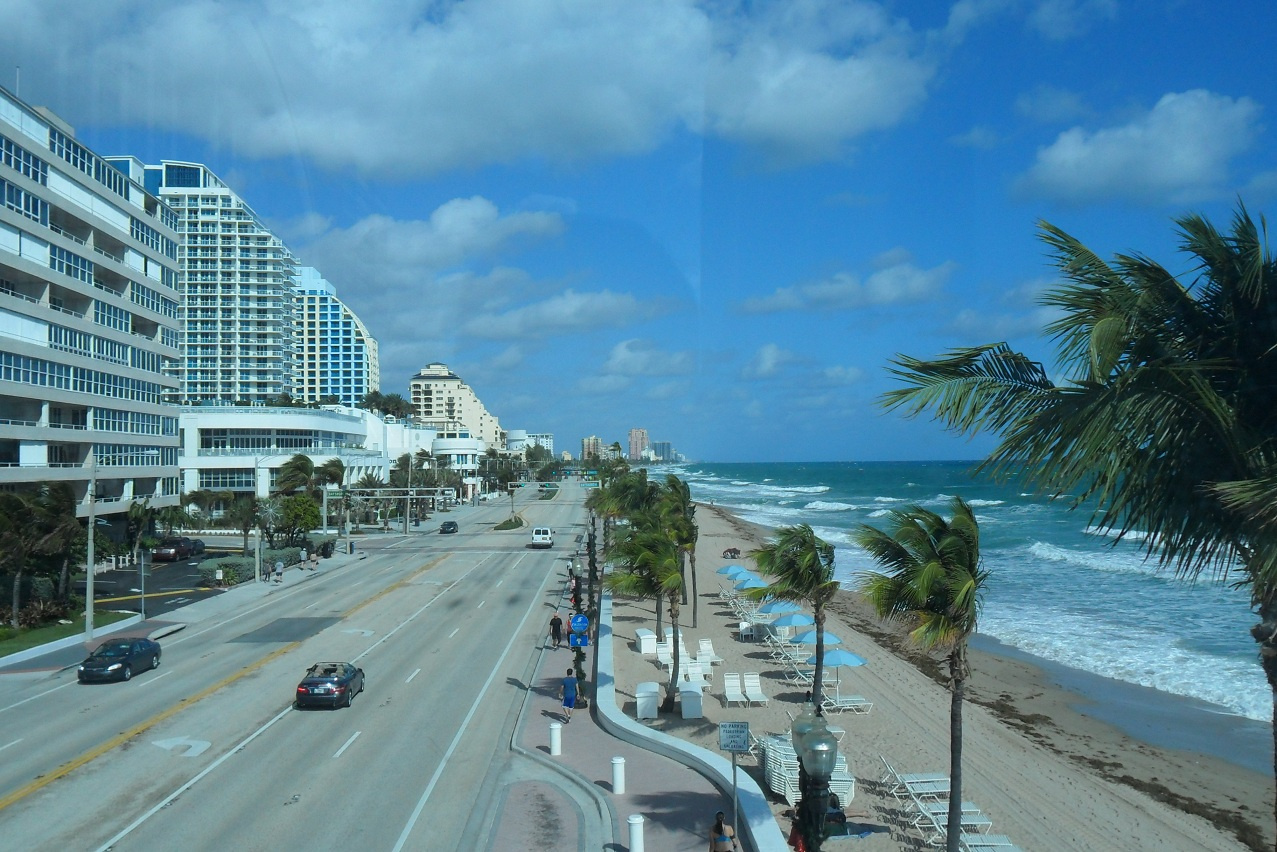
(236, 283)
(88, 320)
(336, 354)
(440, 399)
(545, 440)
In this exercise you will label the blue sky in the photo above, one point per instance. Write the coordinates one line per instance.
(716, 220)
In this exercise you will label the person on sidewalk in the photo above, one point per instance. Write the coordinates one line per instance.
(567, 691)
(556, 630)
(279, 571)
(722, 837)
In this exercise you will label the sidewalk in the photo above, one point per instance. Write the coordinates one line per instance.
(677, 804)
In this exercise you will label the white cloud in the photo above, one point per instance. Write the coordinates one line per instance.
(898, 281)
(1179, 151)
(668, 390)
(564, 313)
(839, 375)
(768, 362)
(979, 137)
(1051, 105)
(1064, 19)
(419, 87)
(637, 357)
(603, 385)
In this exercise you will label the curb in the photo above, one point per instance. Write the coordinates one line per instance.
(69, 642)
(756, 814)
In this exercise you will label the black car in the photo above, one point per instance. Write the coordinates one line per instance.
(197, 546)
(448, 527)
(330, 685)
(119, 659)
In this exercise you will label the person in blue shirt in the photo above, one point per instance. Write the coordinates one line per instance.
(567, 691)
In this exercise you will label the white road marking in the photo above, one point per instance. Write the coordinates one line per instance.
(186, 746)
(19, 739)
(189, 784)
(411, 676)
(453, 633)
(308, 606)
(456, 740)
(34, 697)
(347, 745)
(481, 603)
(499, 582)
(157, 677)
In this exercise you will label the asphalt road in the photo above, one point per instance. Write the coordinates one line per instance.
(207, 752)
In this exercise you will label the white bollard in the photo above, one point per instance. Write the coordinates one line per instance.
(636, 832)
(618, 775)
(556, 738)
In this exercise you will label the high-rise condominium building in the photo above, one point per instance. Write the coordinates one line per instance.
(638, 443)
(336, 355)
(663, 451)
(592, 448)
(236, 279)
(442, 401)
(88, 320)
(544, 440)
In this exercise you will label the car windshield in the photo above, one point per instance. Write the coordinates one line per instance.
(113, 649)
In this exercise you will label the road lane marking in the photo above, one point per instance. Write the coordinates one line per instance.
(154, 679)
(411, 676)
(19, 739)
(316, 603)
(189, 784)
(134, 597)
(499, 582)
(481, 603)
(453, 633)
(34, 697)
(101, 749)
(465, 724)
(347, 745)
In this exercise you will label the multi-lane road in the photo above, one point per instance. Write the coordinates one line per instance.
(208, 752)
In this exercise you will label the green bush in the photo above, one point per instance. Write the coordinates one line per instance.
(235, 570)
(42, 588)
(510, 524)
(287, 555)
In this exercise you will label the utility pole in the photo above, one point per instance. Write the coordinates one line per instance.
(92, 557)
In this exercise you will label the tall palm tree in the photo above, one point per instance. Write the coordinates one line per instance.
(171, 518)
(30, 526)
(801, 567)
(679, 514)
(1164, 412)
(137, 522)
(648, 566)
(242, 515)
(932, 578)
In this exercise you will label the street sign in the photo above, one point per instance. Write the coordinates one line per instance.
(733, 736)
(578, 640)
(579, 623)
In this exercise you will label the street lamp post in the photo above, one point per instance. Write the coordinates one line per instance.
(818, 755)
(92, 557)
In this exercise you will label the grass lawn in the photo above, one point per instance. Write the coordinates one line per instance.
(52, 632)
(509, 524)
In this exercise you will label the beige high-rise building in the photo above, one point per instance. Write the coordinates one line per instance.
(442, 401)
(592, 447)
(638, 443)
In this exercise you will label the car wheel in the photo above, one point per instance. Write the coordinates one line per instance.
(349, 696)
(155, 661)
(127, 674)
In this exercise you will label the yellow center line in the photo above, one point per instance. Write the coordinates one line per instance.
(118, 740)
(149, 595)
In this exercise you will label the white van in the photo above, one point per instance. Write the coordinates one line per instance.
(542, 537)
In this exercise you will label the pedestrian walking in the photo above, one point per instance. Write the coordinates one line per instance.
(301, 560)
(567, 691)
(722, 837)
(556, 630)
(314, 560)
(279, 571)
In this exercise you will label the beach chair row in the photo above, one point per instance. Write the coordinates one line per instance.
(780, 771)
(928, 795)
(746, 689)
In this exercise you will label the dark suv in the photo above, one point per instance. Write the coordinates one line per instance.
(173, 549)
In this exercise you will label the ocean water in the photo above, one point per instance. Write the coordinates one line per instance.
(1059, 590)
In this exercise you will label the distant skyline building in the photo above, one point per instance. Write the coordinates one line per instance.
(592, 447)
(336, 354)
(638, 443)
(440, 399)
(235, 279)
(663, 451)
(88, 321)
(545, 440)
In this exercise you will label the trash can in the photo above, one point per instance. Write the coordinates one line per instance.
(327, 550)
(690, 696)
(647, 698)
(350, 546)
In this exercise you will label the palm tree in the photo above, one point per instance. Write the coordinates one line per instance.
(172, 517)
(137, 523)
(297, 474)
(648, 566)
(801, 566)
(242, 515)
(30, 526)
(933, 579)
(1164, 413)
(679, 515)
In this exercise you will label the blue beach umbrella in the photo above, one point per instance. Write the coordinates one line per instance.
(730, 569)
(751, 583)
(794, 619)
(781, 607)
(839, 657)
(808, 637)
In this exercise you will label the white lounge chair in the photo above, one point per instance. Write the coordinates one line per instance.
(917, 785)
(932, 820)
(754, 688)
(745, 632)
(705, 652)
(854, 703)
(990, 842)
(731, 689)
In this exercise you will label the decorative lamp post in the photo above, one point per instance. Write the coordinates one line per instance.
(91, 557)
(819, 755)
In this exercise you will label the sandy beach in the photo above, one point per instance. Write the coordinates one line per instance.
(1048, 774)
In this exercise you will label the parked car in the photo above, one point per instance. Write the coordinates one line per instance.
(448, 527)
(119, 659)
(330, 685)
(197, 546)
(173, 549)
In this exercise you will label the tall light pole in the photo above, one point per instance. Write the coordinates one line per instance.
(92, 557)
